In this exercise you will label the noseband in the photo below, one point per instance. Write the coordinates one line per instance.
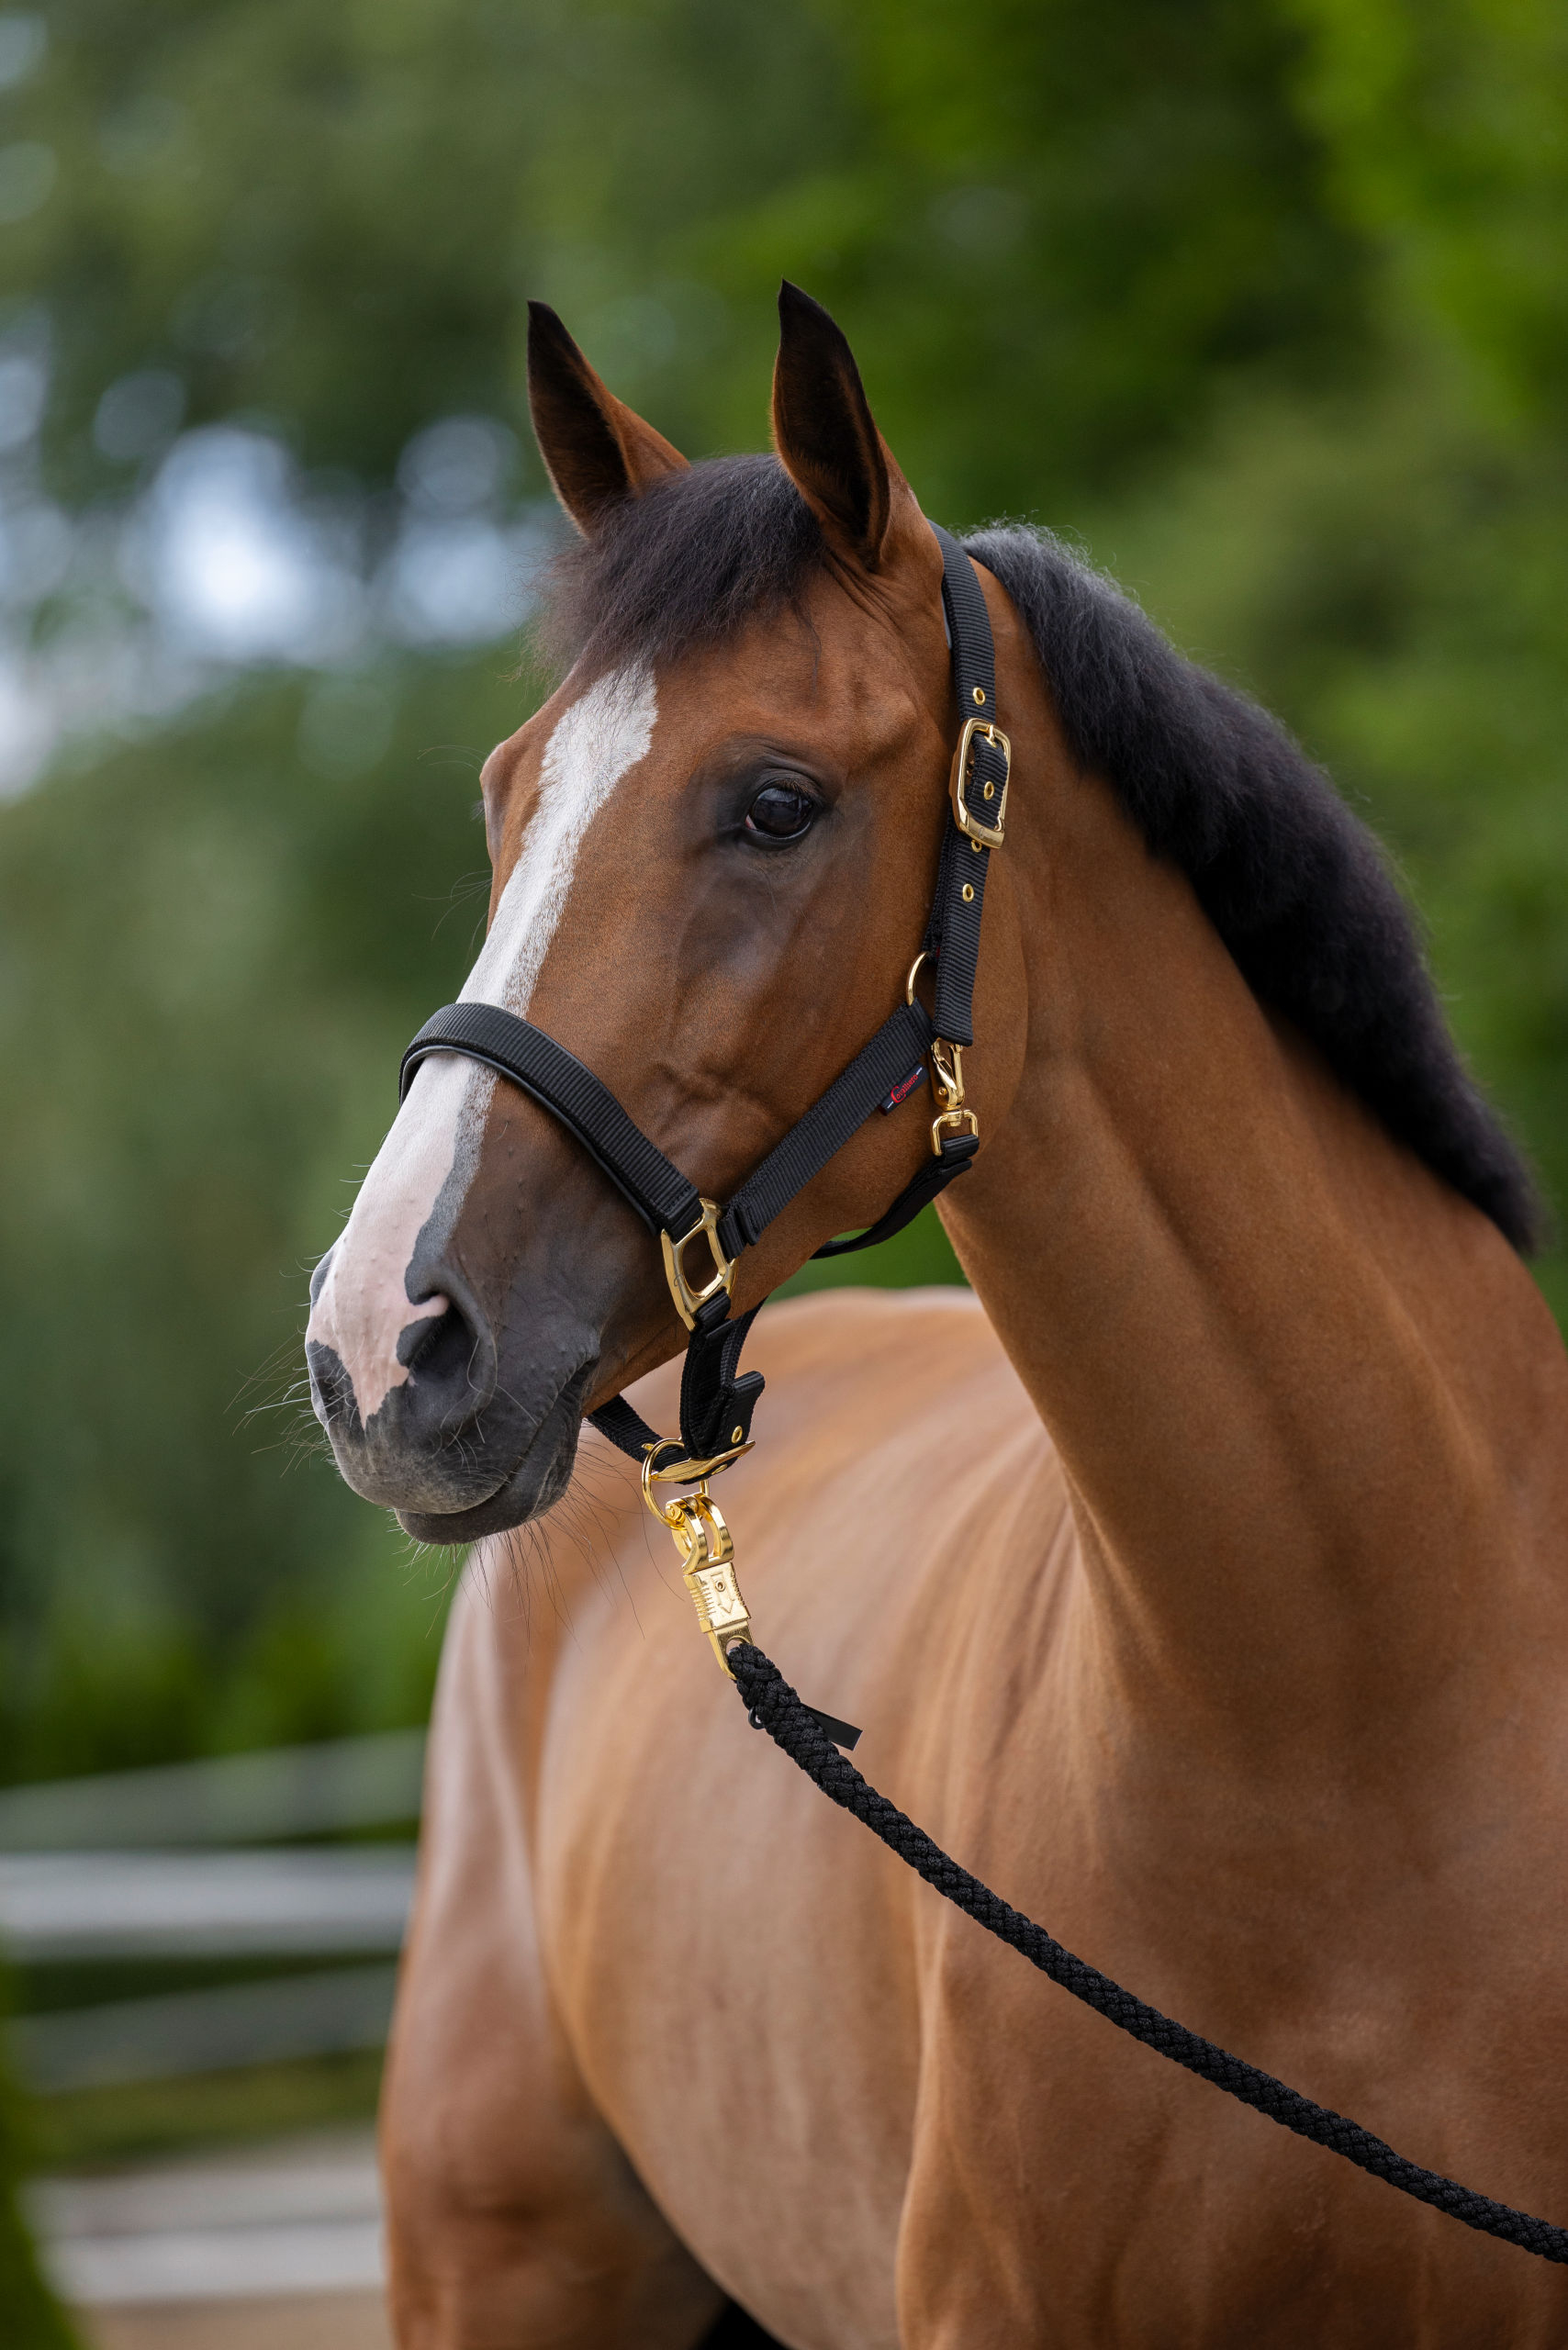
(717, 1398)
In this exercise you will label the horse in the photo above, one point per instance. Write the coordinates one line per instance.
(1197, 1574)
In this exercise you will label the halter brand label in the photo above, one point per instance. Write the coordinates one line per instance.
(903, 1090)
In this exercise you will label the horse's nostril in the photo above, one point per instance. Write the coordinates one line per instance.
(441, 1353)
(329, 1390)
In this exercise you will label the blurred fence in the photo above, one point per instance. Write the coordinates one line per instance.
(302, 2223)
(205, 1862)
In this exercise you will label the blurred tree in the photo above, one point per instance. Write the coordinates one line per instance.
(1384, 561)
(1265, 300)
(210, 958)
(1444, 126)
(1053, 227)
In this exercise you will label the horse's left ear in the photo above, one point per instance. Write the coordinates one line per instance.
(597, 451)
(827, 439)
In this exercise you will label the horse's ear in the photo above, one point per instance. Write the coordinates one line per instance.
(828, 440)
(597, 451)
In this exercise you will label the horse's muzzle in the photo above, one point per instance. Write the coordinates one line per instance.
(464, 1444)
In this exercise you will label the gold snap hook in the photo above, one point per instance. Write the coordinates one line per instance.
(707, 1557)
(948, 1084)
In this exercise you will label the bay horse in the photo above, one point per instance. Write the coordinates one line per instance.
(1200, 1576)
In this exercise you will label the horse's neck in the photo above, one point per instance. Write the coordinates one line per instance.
(1312, 1408)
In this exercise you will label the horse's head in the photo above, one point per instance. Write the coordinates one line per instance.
(713, 848)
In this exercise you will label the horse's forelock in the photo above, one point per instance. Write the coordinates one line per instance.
(683, 566)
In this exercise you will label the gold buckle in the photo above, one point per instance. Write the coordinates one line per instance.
(706, 1563)
(989, 833)
(687, 1299)
(948, 1083)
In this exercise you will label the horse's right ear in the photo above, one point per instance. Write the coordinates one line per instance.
(597, 451)
(828, 442)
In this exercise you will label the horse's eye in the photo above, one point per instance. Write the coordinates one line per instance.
(780, 813)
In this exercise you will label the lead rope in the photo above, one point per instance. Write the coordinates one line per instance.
(795, 1728)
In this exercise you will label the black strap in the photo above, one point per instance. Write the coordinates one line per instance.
(953, 932)
(516, 1049)
(629, 1431)
(717, 1398)
(821, 1135)
(935, 1176)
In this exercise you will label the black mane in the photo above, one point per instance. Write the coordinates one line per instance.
(1296, 887)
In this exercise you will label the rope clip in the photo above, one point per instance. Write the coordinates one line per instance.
(953, 1116)
(706, 1563)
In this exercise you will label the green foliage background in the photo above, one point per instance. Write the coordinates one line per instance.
(1263, 299)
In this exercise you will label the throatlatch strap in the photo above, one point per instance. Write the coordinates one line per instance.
(933, 1177)
(515, 1049)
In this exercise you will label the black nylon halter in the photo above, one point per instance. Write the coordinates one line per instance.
(717, 1399)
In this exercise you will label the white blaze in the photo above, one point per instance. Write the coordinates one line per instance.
(603, 734)
(363, 1307)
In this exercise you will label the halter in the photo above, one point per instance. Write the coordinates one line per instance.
(717, 1398)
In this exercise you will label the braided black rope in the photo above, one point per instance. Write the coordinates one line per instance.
(774, 1706)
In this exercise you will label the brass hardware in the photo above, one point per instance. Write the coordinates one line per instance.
(976, 846)
(707, 1565)
(968, 893)
(913, 974)
(687, 1299)
(957, 1120)
(990, 792)
(948, 1083)
(692, 1472)
(979, 694)
(981, 833)
(735, 1435)
(947, 1063)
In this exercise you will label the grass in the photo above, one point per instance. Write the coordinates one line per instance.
(89, 2128)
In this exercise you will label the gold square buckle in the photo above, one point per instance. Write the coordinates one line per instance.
(687, 1299)
(988, 830)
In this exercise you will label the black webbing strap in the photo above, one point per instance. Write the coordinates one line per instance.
(717, 1398)
(517, 1050)
(629, 1431)
(901, 1041)
(953, 933)
(935, 1176)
